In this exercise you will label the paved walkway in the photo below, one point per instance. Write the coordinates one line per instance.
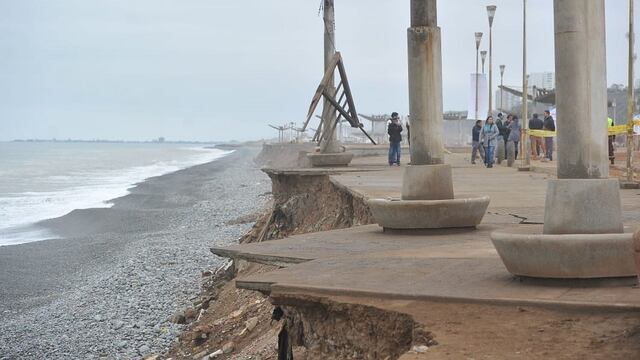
(450, 265)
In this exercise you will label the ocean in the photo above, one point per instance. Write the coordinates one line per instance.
(44, 180)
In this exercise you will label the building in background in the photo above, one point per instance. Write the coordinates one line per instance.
(543, 80)
(509, 100)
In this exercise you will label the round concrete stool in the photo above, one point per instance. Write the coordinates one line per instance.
(330, 159)
(526, 251)
(428, 214)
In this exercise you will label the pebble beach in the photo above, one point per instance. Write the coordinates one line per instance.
(107, 288)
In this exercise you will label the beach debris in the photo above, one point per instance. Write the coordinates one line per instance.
(228, 347)
(190, 314)
(202, 311)
(178, 318)
(201, 333)
(215, 354)
(236, 314)
(251, 323)
(200, 355)
(420, 349)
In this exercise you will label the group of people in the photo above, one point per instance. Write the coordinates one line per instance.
(485, 137)
(542, 149)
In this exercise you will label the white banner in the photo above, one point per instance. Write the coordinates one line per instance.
(483, 97)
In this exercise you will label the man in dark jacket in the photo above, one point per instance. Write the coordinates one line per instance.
(537, 146)
(395, 139)
(550, 125)
(502, 128)
(475, 142)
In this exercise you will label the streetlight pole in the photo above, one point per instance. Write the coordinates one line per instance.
(478, 39)
(483, 56)
(525, 85)
(630, 95)
(491, 11)
(502, 67)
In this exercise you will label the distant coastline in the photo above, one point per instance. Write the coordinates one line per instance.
(232, 144)
(102, 141)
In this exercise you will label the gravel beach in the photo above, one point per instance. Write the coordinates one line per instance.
(109, 286)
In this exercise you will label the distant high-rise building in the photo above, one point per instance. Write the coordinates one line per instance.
(543, 80)
(509, 100)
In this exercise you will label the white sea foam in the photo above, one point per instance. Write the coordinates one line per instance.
(90, 189)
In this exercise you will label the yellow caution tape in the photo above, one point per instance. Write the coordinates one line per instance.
(613, 130)
(541, 133)
(618, 129)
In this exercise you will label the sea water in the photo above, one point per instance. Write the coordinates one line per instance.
(44, 180)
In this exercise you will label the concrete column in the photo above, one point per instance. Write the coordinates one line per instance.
(581, 88)
(425, 84)
(583, 200)
(330, 145)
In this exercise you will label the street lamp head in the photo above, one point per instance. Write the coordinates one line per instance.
(478, 39)
(491, 11)
(502, 69)
(483, 54)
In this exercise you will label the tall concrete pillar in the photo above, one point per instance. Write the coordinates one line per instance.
(425, 84)
(583, 234)
(581, 88)
(427, 199)
(583, 200)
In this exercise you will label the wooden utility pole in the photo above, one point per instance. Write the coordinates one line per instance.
(329, 145)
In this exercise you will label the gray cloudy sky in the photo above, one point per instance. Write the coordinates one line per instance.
(221, 70)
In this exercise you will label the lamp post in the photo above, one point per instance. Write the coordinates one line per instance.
(630, 94)
(483, 56)
(526, 152)
(491, 12)
(478, 39)
(502, 67)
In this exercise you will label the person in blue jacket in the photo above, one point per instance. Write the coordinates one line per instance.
(489, 139)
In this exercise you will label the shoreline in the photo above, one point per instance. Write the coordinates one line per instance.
(153, 242)
(37, 229)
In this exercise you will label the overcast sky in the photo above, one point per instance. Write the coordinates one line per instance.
(222, 70)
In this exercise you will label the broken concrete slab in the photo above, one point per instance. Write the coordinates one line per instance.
(472, 280)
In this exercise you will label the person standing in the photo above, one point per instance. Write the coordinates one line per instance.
(502, 129)
(475, 141)
(489, 138)
(395, 139)
(612, 138)
(507, 123)
(537, 146)
(514, 133)
(408, 131)
(550, 125)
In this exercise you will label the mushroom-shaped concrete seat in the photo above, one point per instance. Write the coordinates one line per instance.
(526, 251)
(330, 159)
(429, 214)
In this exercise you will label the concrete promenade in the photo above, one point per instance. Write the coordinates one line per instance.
(458, 265)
